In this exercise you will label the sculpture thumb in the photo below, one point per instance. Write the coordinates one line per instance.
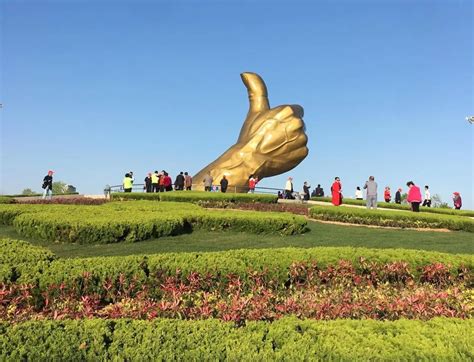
(257, 91)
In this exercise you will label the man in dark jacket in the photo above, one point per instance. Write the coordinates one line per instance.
(148, 186)
(398, 196)
(318, 191)
(224, 184)
(179, 182)
(48, 185)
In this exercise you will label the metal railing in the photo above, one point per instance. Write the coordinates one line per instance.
(215, 188)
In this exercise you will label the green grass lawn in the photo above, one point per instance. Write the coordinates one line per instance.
(319, 235)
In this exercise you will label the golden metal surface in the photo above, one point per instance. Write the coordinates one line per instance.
(271, 141)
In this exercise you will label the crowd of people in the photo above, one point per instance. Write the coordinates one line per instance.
(162, 182)
(413, 195)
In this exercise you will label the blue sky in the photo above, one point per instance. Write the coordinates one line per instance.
(93, 89)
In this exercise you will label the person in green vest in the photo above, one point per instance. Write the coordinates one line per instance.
(127, 183)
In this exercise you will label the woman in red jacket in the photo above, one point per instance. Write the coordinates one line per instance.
(387, 195)
(414, 196)
(336, 190)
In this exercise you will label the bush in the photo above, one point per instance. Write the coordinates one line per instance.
(406, 207)
(9, 212)
(391, 218)
(135, 221)
(277, 262)
(6, 200)
(196, 196)
(286, 339)
(18, 257)
(65, 200)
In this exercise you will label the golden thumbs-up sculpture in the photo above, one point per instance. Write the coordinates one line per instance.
(271, 141)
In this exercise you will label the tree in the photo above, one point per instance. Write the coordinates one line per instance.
(28, 192)
(404, 198)
(437, 202)
(59, 188)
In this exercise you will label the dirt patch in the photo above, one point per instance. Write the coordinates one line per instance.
(380, 227)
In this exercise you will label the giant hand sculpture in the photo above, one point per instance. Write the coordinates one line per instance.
(271, 141)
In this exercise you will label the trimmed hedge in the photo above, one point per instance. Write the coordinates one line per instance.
(196, 196)
(404, 219)
(240, 262)
(9, 212)
(286, 339)
(392, 205)
(6, 200)
(135, 221)
(19, 256)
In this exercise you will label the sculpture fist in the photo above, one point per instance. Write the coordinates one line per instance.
(271, 141)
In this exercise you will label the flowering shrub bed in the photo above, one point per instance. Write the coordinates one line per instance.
(196, 196)
(376, 291)
(258, 206)
(287, 339)
(391, 218)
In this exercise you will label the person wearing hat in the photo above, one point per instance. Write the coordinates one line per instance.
(48, 185)
(457, 200)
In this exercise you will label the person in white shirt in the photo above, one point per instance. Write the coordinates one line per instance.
(289, 188)
(427, 199)
(358, 194)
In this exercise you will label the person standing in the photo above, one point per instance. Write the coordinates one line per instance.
(167, 182)
(457, 201)
(358, 194)
(289, 188)
(155, 182)
(179, 182)
(224, 184)
(336, 192)
(371, 187)
(48, 185)
(161, 181)
(252, 183)
(208, 182)
(148, 183)
(414, 196)
(427, 199)
(127, 183)
(188, 181)
(306, 187)
(398, 196)
(318, 191)
(387, 195)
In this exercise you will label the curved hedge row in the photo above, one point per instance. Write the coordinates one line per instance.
(196, 196)
(18, 256)
(135, 221)
(406, 207)
(287, 339)
(277, 262)
(404, 219)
